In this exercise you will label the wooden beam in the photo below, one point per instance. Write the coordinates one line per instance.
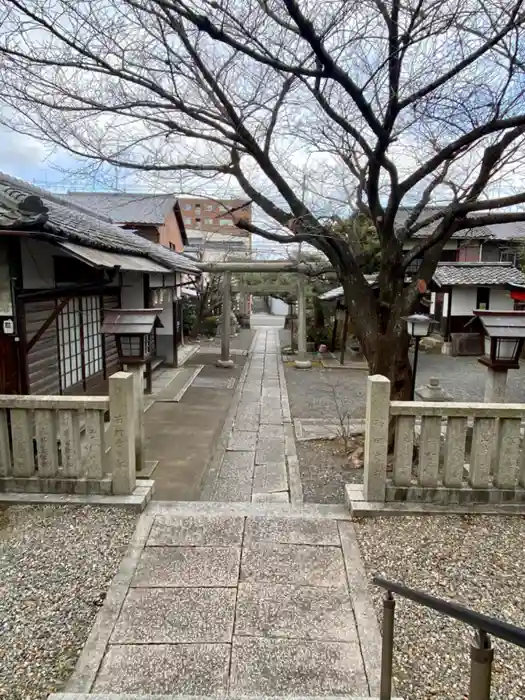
(43, 328)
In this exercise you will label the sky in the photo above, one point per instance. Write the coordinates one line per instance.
(32, 161)
(50, 168)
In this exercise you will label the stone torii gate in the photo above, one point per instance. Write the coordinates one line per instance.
(226, 269)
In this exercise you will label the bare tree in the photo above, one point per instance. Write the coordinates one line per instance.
(312, 108)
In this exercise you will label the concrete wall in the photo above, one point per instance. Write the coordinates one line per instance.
(500, 300)
(463, 301)
(132, 293)
(278, 307)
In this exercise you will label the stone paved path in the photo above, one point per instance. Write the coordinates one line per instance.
(211, 601)
(259, 462)
(249, 594)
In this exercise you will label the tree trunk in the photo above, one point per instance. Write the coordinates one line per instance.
(392, 361)
(199, 316)
(318, 313)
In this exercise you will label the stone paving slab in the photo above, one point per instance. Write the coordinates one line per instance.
(273, 666)
(175, 616)
(269, 432)
(187, 566)
(195, 531)
(275, 497)
(270, 451)
(237, 465)
(190, 669)
(246, 422)
(302, 565)
(242, 440)
(291, 531)
(268, 478)
(232, 489)
(294, 612)
(134, 696)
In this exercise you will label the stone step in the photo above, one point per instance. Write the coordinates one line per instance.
(315, 511)
(133, 696)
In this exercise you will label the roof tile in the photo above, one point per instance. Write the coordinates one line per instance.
(24, 206)
(477, 274)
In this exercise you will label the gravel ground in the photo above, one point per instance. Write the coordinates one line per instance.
(312, 392)
(55, 566)
(317, 393)
(476, 561)
(325, 469)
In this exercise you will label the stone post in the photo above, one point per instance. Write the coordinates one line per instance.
(138, 398)
(495, 386)
(302, 361)
(225, 360)
(122, 416)
(376, 437)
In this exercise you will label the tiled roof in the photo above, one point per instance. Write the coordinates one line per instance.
(26, 207)
(132, 207)
(482, 232)
(136, 208)
(477, 274)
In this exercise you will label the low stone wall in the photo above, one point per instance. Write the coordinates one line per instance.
(64, 444)
(443, 453)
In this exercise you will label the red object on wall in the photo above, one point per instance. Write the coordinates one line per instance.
(517, 296)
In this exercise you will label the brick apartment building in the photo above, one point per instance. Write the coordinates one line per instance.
(146, 213)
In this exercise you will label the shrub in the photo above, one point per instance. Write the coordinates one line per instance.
(209, 326)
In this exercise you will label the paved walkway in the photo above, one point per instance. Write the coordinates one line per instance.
(257, 461)
(250, 594)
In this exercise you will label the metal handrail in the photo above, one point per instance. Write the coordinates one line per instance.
(491, 625)
(481, 652)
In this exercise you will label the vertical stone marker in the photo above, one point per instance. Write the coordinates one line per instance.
(376, 437)
(122, 415)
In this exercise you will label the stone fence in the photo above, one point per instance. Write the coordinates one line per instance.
(70, 444)
(442, 453)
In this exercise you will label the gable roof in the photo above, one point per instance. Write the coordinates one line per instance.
(477, 274)
(482, 232)
(135, 207)
(474, 274)
(125, 208)
(28, 208)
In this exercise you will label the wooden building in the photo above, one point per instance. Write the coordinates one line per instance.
(61, 267)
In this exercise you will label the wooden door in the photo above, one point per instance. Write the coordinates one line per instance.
(9, 376)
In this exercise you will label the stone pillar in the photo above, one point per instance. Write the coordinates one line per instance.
(138, 397)
(495, 386)
(376, 437)
(302, 361)
(122, 416)
(225, 360)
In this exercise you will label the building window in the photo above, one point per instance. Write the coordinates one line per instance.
(509, 256)
(187, 206)
(80, 341)
(482, 298)
(209, 222)
(187, 221)
(209, 207)
(224, 222)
